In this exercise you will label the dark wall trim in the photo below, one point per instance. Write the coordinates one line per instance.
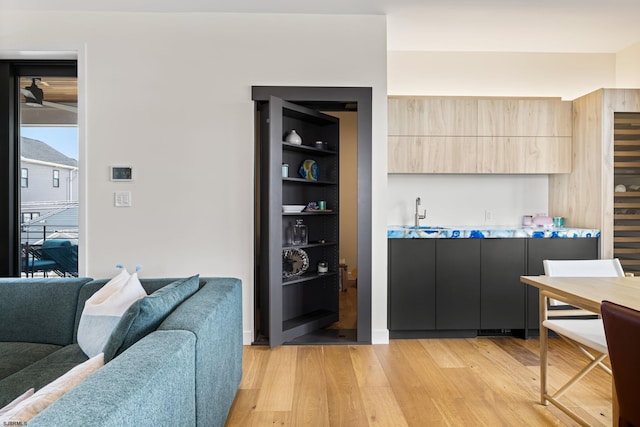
(362, 98)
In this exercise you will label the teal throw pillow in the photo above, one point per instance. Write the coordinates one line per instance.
(145, 315)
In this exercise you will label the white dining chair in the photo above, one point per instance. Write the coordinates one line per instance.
(582, 329)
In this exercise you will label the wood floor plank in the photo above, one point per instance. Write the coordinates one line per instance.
(382, 407)
(435, 382)
(417, 407)
(346, 407)
(367, 367)
(276, 393)
(441, 353)
(310, 406)
(254, 366)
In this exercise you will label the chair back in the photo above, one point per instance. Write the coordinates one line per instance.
(64, 253)
(583, 268)
(622, 329)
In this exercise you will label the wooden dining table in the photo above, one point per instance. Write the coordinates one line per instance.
(586, 293)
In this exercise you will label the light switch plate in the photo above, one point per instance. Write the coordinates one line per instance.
(122, 199)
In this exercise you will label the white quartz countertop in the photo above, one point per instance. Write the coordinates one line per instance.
(487, 232)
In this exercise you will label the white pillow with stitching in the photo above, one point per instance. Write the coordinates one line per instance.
(27, 394)
(103, 311)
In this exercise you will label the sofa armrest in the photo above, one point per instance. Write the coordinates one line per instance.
(214, 315)
(151, 384)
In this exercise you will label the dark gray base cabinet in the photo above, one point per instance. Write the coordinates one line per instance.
(462, 287)
(457, 284)
(415, 284)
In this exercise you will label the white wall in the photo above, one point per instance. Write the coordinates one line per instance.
(463, 199)
(628, 67)
(170, 94)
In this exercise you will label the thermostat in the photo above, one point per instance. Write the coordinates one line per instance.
(121, 173)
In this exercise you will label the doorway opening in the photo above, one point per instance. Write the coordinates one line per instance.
(353, 109)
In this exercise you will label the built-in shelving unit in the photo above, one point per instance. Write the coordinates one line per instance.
(626, 215)
(294, 305)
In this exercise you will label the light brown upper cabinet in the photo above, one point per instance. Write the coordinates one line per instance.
(433, 116)
(524, 117)
(479, 135)
(432, 154)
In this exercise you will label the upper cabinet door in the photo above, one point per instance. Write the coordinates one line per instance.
(432, 117)
(524, 117)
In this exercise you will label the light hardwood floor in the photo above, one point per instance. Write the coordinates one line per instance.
(485, 381)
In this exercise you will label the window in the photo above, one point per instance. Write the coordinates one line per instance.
(39, 104)
(24, 178)
(28, 216)
(56, 178)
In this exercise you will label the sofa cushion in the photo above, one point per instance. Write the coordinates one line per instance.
(15, 356)
(41, 372)
(145, 315)
(32, 406)
(103, 311)
(28, 303)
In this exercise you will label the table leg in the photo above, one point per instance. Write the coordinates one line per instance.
(544, 346)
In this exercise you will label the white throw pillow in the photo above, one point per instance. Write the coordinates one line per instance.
(103, 311)
(27, 394)
(48, 394)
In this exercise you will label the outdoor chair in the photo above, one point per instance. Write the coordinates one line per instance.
(586, 334)
(65, 255)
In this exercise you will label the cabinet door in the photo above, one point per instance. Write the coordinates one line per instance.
(432, 116)
(412, 284)
(458, 284)
(502, 295)
(524, 154)
(421, 154)
(524, 117)
(541, 249)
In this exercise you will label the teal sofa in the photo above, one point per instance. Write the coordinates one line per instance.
(186, 372)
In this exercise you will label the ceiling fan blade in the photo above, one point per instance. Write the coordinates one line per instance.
(60, 106)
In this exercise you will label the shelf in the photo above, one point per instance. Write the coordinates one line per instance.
(627, 194)
(626, 205)
(635, 217)
(312, 275)
(313, 316)
(308, 149)
(307, 213)
(308, 181)
(626, 228)
(310, 245)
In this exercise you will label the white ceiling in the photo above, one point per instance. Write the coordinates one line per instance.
(604, 26)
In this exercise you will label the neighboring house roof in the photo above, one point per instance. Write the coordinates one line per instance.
(61, 218)
(37, 150)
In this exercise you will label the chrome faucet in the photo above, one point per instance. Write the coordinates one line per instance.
(418, 217)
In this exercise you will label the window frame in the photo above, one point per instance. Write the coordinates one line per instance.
(10, 168)
(56, 178)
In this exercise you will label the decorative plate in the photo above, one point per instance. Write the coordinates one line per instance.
(309, 170)
(294, 262)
